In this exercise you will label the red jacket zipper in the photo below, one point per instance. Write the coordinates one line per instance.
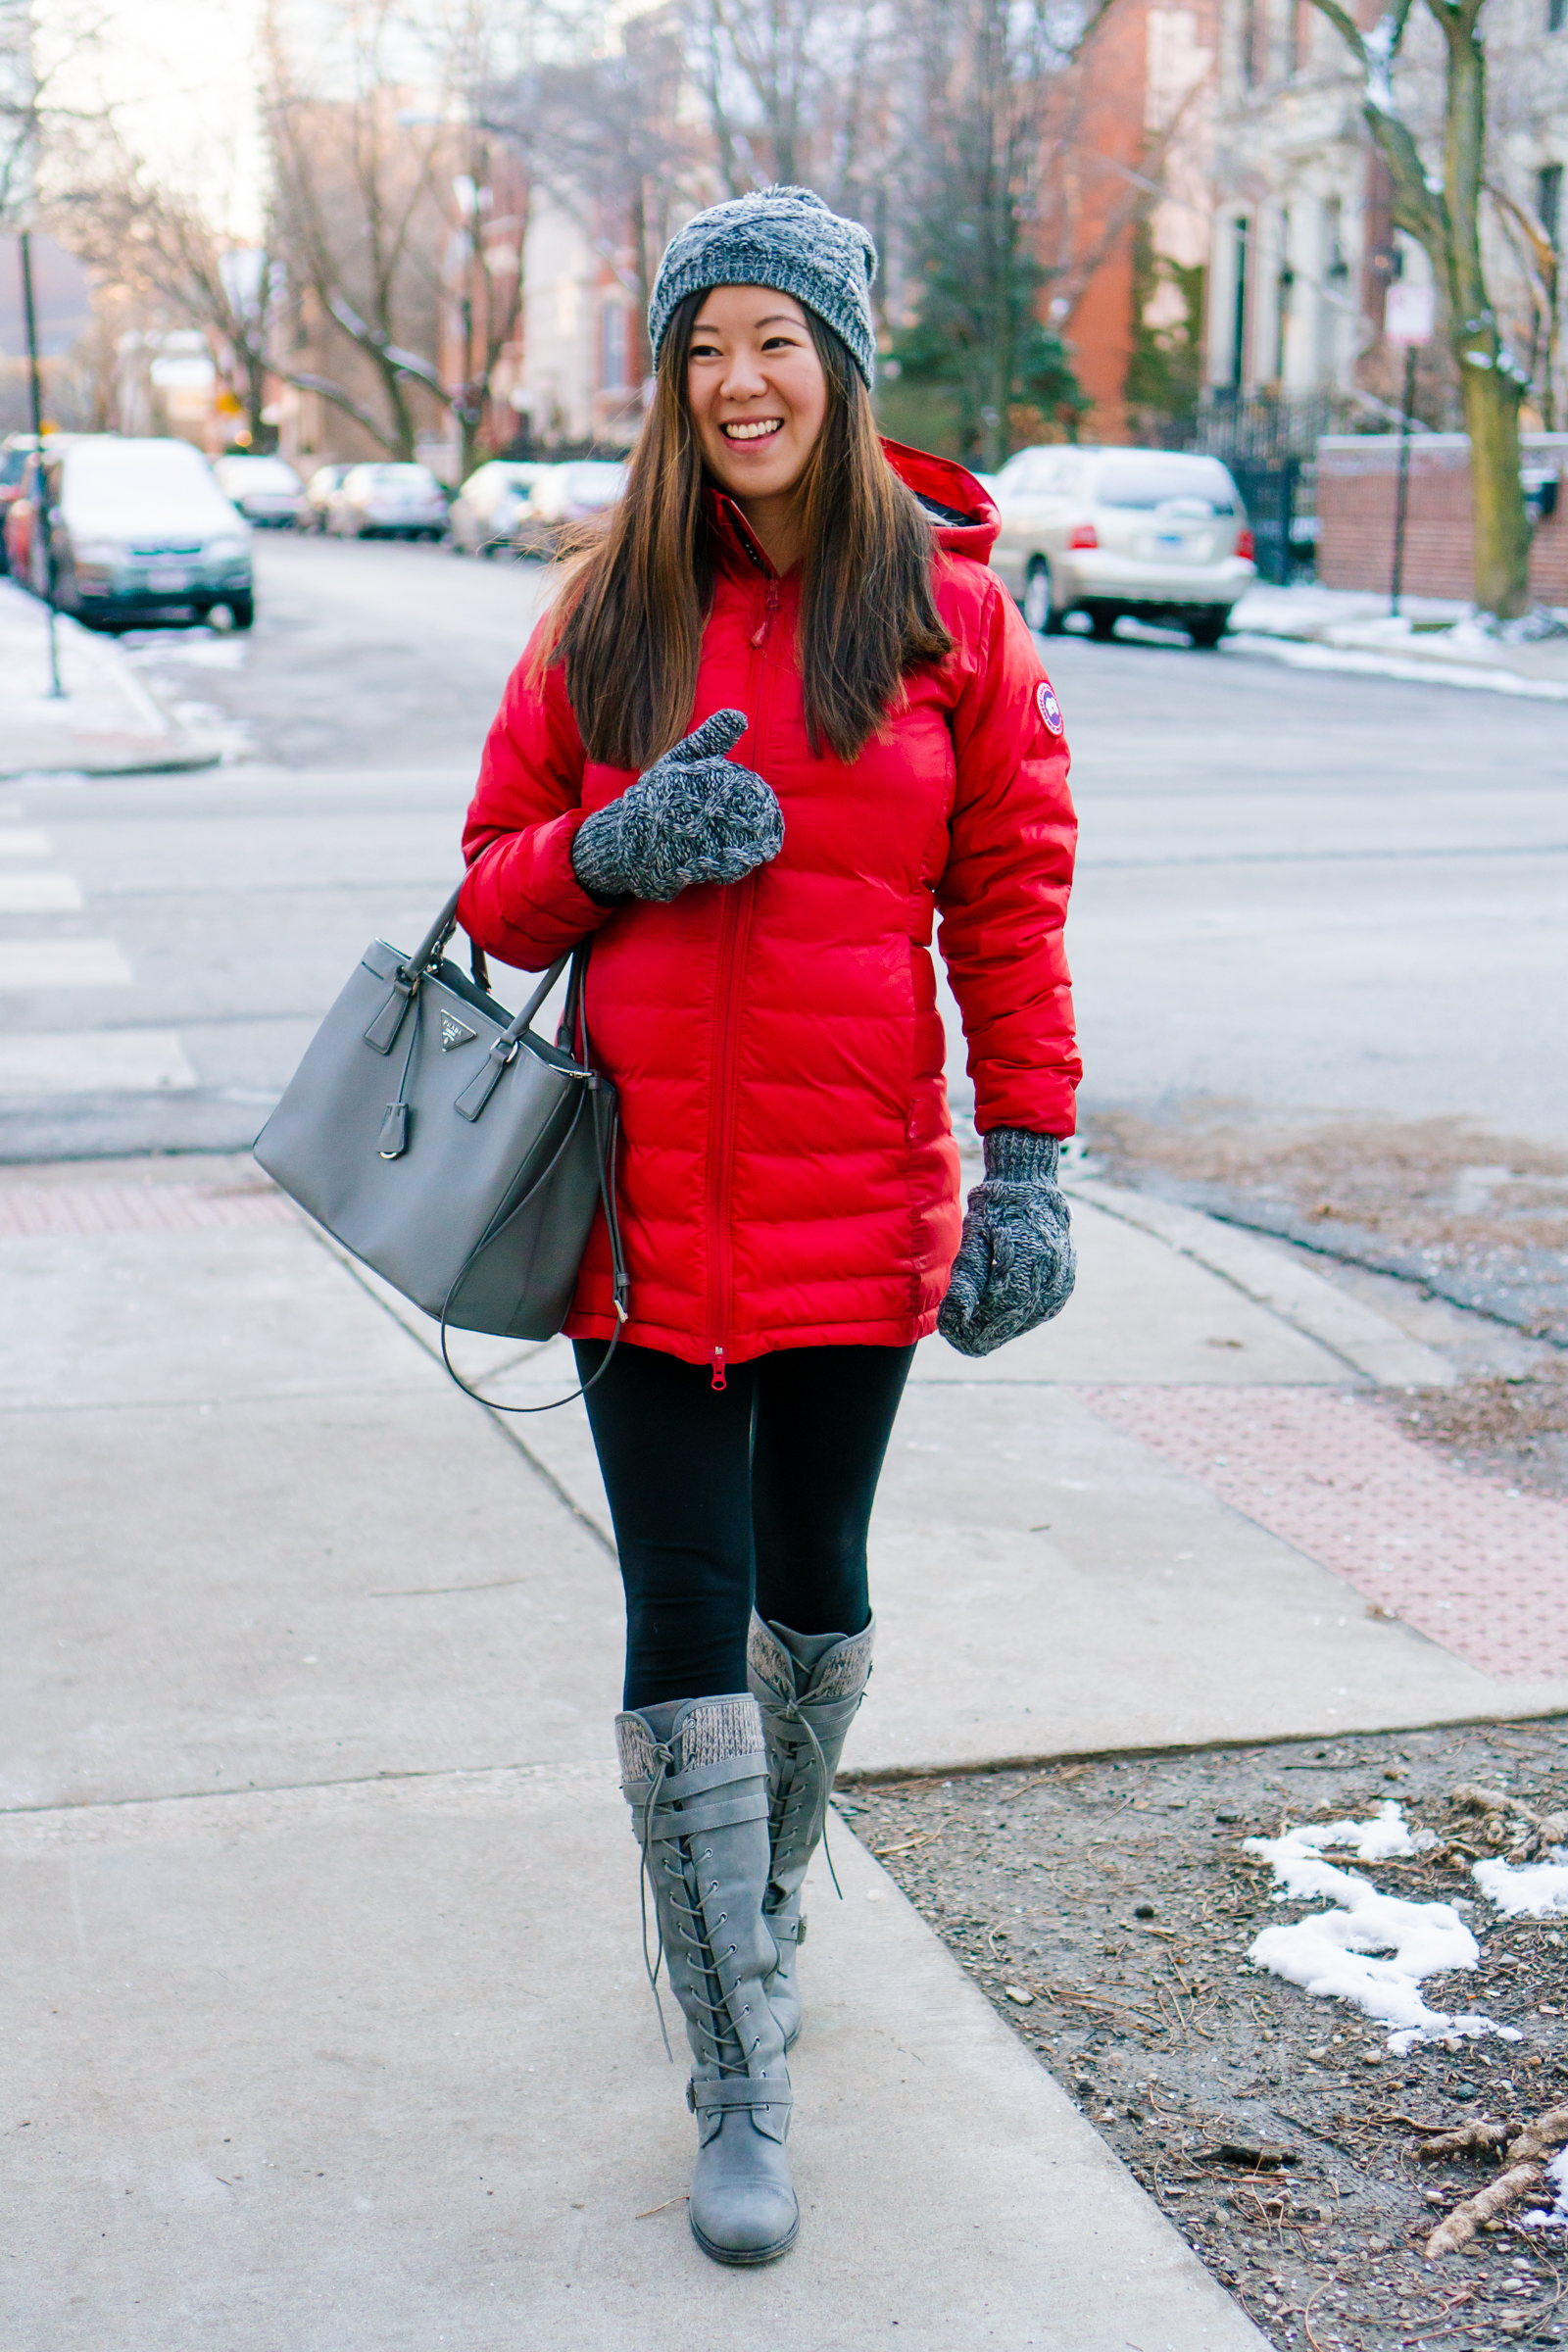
(769, 608)
(725, 1041)
(734, 931)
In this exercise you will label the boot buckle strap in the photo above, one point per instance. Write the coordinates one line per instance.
(737, 2091)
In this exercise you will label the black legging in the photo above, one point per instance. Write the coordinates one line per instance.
(760, 1489)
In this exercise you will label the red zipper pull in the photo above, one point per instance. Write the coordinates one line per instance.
(768, 610)
(718, 1381)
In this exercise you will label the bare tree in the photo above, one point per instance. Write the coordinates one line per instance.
(1439, 206)
(797, 91)
(602, 134)
(165, 247)
(358, 197)
(990, 75)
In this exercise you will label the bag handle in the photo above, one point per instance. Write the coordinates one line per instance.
(606, 1148)
(435, 943)
(599, 1103)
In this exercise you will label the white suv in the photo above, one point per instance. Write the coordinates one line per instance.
(1156, 533)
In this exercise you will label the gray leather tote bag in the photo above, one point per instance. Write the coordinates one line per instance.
(443, 1143)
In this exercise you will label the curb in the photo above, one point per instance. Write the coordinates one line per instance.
(1363, 1339)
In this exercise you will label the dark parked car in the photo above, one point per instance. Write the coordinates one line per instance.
(485, 511)
(138, 529)
(266, 490)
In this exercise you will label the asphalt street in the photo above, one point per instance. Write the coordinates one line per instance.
(1304, 890)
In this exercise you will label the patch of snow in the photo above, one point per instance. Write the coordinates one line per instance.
(201, 646)
(1334, 1954)
(1525, 1889)
(1557, 2217)
(1412, 673)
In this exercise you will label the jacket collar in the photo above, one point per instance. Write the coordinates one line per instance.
(966, 526)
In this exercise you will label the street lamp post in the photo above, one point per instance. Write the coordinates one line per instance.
(35, 388)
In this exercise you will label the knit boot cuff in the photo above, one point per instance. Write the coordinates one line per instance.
(1014, 1156)
(772, 1663)
(709, 1731)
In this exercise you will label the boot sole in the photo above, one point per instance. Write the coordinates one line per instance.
(744, 2258)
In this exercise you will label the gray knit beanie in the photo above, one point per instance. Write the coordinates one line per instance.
(781, 237)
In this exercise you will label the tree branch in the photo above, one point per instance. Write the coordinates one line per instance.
(340, 399)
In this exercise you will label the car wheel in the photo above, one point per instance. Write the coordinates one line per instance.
(1207, 627)
(1102, 622)
(242, 611)
(1040, 608)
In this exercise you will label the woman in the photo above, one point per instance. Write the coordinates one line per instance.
(781, 714)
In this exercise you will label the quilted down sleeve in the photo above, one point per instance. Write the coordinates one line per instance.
(522, 900)
(1003, 897)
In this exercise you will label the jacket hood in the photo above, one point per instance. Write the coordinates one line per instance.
(963, 515)
(966, 522)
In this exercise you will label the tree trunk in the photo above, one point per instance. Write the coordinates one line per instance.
(1491, 382)
(255, 396)
(1501, 521)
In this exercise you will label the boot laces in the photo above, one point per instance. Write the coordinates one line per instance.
(700, 1948)
(788, 1790)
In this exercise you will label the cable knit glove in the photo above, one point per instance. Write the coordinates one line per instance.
(1015, 1263)
(692, 816)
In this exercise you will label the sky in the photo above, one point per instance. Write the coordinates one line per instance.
(181, 79)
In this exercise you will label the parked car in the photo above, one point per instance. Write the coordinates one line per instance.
(388, 501)
(137, 528)
(266, 490)
(485, 511)
(562, 495)
(1159, 534)
(15, 451)
(319, 491)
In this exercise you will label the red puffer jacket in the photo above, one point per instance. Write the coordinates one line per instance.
(789, 1176)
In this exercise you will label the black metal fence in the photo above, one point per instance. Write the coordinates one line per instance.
(1270, 447)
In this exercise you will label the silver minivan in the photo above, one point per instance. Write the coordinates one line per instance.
(1157, 534)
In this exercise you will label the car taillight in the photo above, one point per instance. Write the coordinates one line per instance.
(1082, 534)
(1244, 544)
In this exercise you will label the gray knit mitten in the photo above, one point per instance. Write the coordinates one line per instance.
(692, 816)
(1015, 1263)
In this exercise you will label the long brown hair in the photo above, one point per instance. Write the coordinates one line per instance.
(628, 623)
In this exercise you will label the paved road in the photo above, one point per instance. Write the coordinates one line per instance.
(1305, 891)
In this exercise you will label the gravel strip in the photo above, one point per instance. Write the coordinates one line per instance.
(1475, 1218)
(1106, 1908)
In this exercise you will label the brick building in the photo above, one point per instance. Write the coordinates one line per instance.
(1357, 484)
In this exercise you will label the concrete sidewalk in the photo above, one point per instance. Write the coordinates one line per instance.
(326, 1999)
(105, 723)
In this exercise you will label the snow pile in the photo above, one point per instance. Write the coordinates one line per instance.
(1333, 1954)
(1525, 1889)
(1558, 2215)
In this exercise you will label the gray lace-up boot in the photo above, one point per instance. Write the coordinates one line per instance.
(808, 1686)
(696, 1778)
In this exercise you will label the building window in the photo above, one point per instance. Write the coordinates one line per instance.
(1556, 15)
(1238, 310)
(613, 348)
(1251, 34)
(1548, 202)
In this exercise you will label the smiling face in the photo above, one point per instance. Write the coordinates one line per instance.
(756, 389)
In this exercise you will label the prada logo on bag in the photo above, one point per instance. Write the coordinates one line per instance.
(453, 1032)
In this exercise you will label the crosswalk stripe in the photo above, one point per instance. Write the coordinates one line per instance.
(39, 963)
(23, 841)
(39, 894)
(93, 1061)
